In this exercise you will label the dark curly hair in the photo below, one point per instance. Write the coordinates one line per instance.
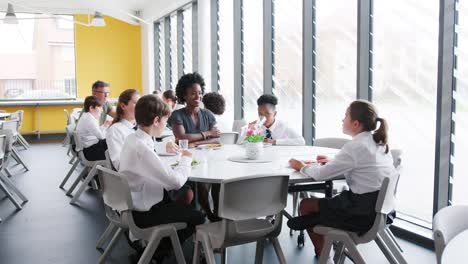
(185, 82)
(215, 103)
(267, 99)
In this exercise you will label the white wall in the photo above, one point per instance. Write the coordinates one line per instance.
(154, 11)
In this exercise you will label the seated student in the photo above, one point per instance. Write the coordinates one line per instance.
(90, 133)
(276, 132)
(171, 99)
(150, 178)
(217, 105)
(364, 161)
(198, 126)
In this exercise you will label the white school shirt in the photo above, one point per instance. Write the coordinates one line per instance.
(221, 124)
(147, 175)
(284, 135)
(363, 163)
(115, 138)
(89, 131)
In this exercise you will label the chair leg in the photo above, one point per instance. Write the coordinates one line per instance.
(70, 172)
(179, 254)
(150, 249)
(339, 257)
(223, 255)
(354, 252)
(208, 249)
(72, 159)
(294, 209)
(75, 183)
(111, 246)
(23, 140)
(390, 234)
(12, 187)
(10, 196)
(15, 153)
(278, 250)
(102, 240)
(8, 173)
(196, 252)
(84, 185)
(259, 251)
(325, 254)
(389, 248)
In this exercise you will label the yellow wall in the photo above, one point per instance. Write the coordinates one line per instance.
(111, 53)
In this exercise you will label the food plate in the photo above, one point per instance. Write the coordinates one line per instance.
(167, 154)
(210, 146)
(243, 159)
(194, 163)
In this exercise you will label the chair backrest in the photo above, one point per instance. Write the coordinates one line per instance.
(15, 116)
(238, 124)
(252, 197)
(109, 164)
(228, 137)
(3, 145)
(76, 138)
(396, 155)
(67, 115)
(336, 143)
(11, 125)
(115, 189)
(447, 223)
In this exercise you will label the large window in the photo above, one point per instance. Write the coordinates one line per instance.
(226, 56)
(252, 46)
(287, 66)
(173, 45)
(37, 58)
(460, 178)
(336, 53)
(405, 91)
(187, 29)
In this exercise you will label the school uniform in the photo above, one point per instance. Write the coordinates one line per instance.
(115, 138)
(149, 179)
(364, 165)
(92, 137)
(278, 131)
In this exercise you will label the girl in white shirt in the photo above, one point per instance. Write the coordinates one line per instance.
(149, 177)
(92, 136)
(364, 161)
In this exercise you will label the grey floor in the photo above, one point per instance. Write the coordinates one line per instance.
(50, 230)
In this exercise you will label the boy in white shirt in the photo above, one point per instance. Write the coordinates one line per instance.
(364, 161)
(92, 136)
(149, 177)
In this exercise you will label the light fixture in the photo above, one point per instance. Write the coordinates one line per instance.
(10, 16)
(98, 20)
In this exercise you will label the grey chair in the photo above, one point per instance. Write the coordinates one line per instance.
(6, 185)
(117, 197)
(13, 126)
(228, 137)
(346, 240)
(447, 223)
(74, 160)
(19, 115)
(244, 217)
(90, 166)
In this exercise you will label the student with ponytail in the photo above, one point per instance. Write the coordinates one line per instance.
(364, 161)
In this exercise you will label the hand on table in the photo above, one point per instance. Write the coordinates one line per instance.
(214, 132)
(172, 147)
(269, 140)
(296, 164)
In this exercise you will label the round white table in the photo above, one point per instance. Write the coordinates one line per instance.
(454, 252)
(215, 167)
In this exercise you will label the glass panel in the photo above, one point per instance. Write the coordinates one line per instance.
(226, 57)
(188, 40)
(460, 179)
(173, 37)
(253, 56)
(37, 67)
(405, 92)
(162, 55)
(336, 53)
(287, 75)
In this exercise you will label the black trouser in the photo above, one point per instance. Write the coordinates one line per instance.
(166, 212)
(96, 151)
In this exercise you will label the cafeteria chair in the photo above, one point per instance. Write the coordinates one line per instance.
(119, 206)
(447, 223)
(245, 218)
(13, 125)
(228, 137)
(18, 115)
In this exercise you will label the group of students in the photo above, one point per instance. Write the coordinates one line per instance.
(161, 193)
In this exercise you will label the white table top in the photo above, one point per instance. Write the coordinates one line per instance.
(215, 167)
(454, 252)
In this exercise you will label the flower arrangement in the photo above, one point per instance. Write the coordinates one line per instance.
(254, 135)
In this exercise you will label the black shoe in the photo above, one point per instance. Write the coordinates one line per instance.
(303, 222)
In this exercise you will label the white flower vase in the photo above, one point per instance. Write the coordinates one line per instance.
(253, 150)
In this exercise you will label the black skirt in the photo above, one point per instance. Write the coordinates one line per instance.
(347, 211)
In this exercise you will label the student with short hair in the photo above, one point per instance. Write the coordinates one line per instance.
(150, 178)
(91, 134)
(170, 98)
(364, 161)
(215, 102)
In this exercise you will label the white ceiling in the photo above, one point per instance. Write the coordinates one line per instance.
(120, 9)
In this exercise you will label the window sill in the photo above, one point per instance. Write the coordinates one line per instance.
(413, 233)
